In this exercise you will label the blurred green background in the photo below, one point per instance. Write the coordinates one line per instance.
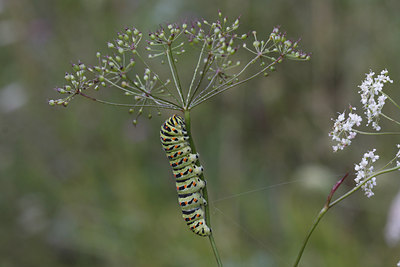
(81, 186)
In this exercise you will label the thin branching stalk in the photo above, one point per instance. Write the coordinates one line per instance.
(391, 100)
(195, 75)
(205, 193)
(217, 91)
(150, 96)
(129, 105)
(174, 72)
(158, 78)
(389, 118)
(376, 133)
(206, 68)
(199, 98)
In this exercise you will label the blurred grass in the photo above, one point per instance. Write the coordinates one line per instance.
(82, 187)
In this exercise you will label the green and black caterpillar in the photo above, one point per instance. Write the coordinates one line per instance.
(175, 142)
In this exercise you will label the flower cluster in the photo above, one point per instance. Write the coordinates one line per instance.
(372, 97)
(343, 131)
(217, 37)
(364, 171)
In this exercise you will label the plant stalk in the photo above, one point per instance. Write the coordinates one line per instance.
(329, 204)
(205, 193)
(314, 225)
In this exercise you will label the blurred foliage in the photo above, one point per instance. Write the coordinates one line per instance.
(82, 187)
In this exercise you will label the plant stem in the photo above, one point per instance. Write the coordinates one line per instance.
(387, 117)
(391, 100)
(205, 193)
(174, 73)
(330, 204)
(376, 133)
(314, 225)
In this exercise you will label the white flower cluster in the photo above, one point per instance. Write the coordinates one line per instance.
(372, 97)
(343, 131)
(364, 170)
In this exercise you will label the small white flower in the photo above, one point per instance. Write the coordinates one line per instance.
(372, 97)
(364, 170)
(343, 132)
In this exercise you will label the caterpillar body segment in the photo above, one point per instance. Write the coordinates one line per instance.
(183, 161)
(169, 140)
(199, 227)
(190, 185)
(191, 215)
(175, 147)
(180, 153)
(175, 142)
(191, 200)
(187, 172)
(172, 130)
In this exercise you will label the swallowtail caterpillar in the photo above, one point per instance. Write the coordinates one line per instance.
(175, 142)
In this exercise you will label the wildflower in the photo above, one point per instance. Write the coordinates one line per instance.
(343, 131)
(363, 172)
(372, 97)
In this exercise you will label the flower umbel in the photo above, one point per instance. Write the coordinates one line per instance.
(372, 97)
(364, 170)
(343, 131)
(216, 69)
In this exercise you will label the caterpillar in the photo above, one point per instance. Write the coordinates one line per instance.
(175, 142)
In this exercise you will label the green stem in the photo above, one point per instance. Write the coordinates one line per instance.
(329, 205)
(387, 117)
(205, 193)
(174, 73)
(349, 193)
(391, 100)
(314, 225)
(376, 133)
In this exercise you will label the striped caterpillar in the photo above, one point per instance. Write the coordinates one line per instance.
(175, 142)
